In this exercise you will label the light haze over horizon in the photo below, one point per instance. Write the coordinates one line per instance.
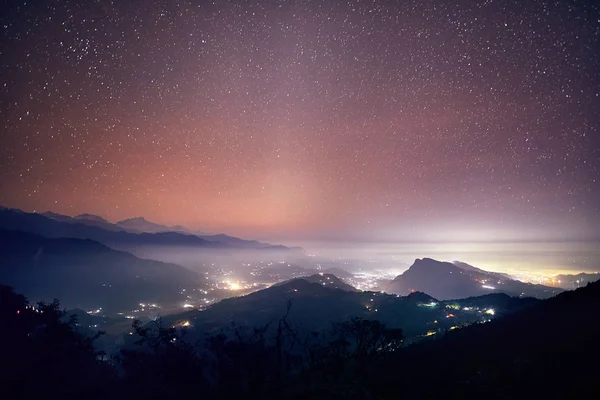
(373, 123)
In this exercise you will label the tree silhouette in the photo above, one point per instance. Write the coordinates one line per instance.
(39, 344)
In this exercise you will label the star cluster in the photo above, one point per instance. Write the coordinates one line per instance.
(306, 118)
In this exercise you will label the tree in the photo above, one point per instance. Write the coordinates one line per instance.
(39, 345)
(161, 364)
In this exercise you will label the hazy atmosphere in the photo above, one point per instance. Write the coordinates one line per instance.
(299, 199)
(309, 120)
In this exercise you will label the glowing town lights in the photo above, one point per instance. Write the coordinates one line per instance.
(234, 286)
(186, 323)
(186, 305)
(488, 287)
(490, 311)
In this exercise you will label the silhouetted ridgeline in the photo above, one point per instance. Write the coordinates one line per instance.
(546, 351)
(317, 303)
(445, 281)
(54, 225)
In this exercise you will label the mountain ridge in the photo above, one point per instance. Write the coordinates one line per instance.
(446, 281)
(84, 272)
(314, 306)
(56, 225)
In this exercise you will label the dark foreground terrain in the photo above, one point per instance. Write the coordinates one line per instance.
(547, 350)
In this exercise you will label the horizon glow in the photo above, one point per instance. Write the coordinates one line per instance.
(467, 129)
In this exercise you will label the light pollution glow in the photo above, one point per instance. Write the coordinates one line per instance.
(370, 122)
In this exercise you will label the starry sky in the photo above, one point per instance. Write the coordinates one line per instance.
(370, 120)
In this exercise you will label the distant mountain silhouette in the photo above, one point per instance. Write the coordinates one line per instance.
(87, 274)
(141, 225)
(566, 281)
(49, 214)
(85, 219)
(92, 227)
(91, 218)
(235, 242)
(444, 280)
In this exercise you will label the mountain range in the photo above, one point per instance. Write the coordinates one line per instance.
(140, 224)
(569, 282)
(318, 301)
(87, 274)
(87, 226)
(533, 349)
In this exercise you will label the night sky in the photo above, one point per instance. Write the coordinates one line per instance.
(378, 120)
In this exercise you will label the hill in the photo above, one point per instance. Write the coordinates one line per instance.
(444, 281)
(569, 282)
(555, 340)
(328, 280)
(85, 219)
(315, 306)
(87, 274)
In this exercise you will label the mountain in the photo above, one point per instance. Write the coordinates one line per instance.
(113, 235)
(236, 242)
(444, 281)
(575, 281)
(329, 280)
(87, 274)
(91, 218)
(467, 267)
(53, 215)
(42, 225)
(85, 219)
(315, 306)
(133, 225)
(141, 225)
